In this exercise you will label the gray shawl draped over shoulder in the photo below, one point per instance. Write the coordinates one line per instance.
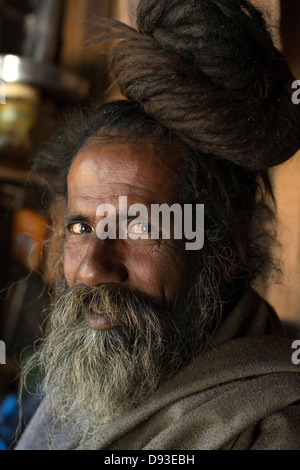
(242, 393)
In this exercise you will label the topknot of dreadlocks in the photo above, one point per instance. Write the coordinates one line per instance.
(208, 71)
(227, 40)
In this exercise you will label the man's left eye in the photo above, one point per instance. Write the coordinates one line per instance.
(80, 228)
(139, 228)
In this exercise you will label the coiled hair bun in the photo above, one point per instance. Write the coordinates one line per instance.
(208, 70)
(218, 37)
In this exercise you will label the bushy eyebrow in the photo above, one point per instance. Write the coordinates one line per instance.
(70, 218)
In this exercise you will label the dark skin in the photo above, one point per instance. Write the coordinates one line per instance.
(100, 174)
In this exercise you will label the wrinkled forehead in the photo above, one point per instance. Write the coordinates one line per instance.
(144, 167)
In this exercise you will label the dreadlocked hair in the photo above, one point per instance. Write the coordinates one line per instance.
(208, 70)
(203, 74)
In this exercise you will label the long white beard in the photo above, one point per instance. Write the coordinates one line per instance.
(97, 376)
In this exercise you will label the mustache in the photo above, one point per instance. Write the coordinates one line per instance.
(117, 304)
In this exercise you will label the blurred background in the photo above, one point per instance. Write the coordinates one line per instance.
(45, 70)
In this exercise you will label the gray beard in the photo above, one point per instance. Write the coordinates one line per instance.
(93, 377)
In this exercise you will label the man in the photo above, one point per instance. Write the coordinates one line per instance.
(152, 345)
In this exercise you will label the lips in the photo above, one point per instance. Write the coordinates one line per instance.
(97, 321)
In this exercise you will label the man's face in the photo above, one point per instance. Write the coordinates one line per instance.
(133, 311)
(100, 174)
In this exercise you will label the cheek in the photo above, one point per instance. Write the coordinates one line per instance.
(159, 272)
(72, 260)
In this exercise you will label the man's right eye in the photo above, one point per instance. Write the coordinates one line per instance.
(79, 228)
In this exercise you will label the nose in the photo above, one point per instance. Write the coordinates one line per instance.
(102, 264)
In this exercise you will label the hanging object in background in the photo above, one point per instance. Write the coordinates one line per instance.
(17, 119)
(31, 28)
(33, 56)
(42, 36)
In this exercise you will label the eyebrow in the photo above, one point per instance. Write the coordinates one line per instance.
(69, 218)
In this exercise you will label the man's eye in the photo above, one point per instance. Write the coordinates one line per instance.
(79, 228)
(139, 228)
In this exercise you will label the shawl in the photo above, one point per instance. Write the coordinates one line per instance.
(242, 393)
